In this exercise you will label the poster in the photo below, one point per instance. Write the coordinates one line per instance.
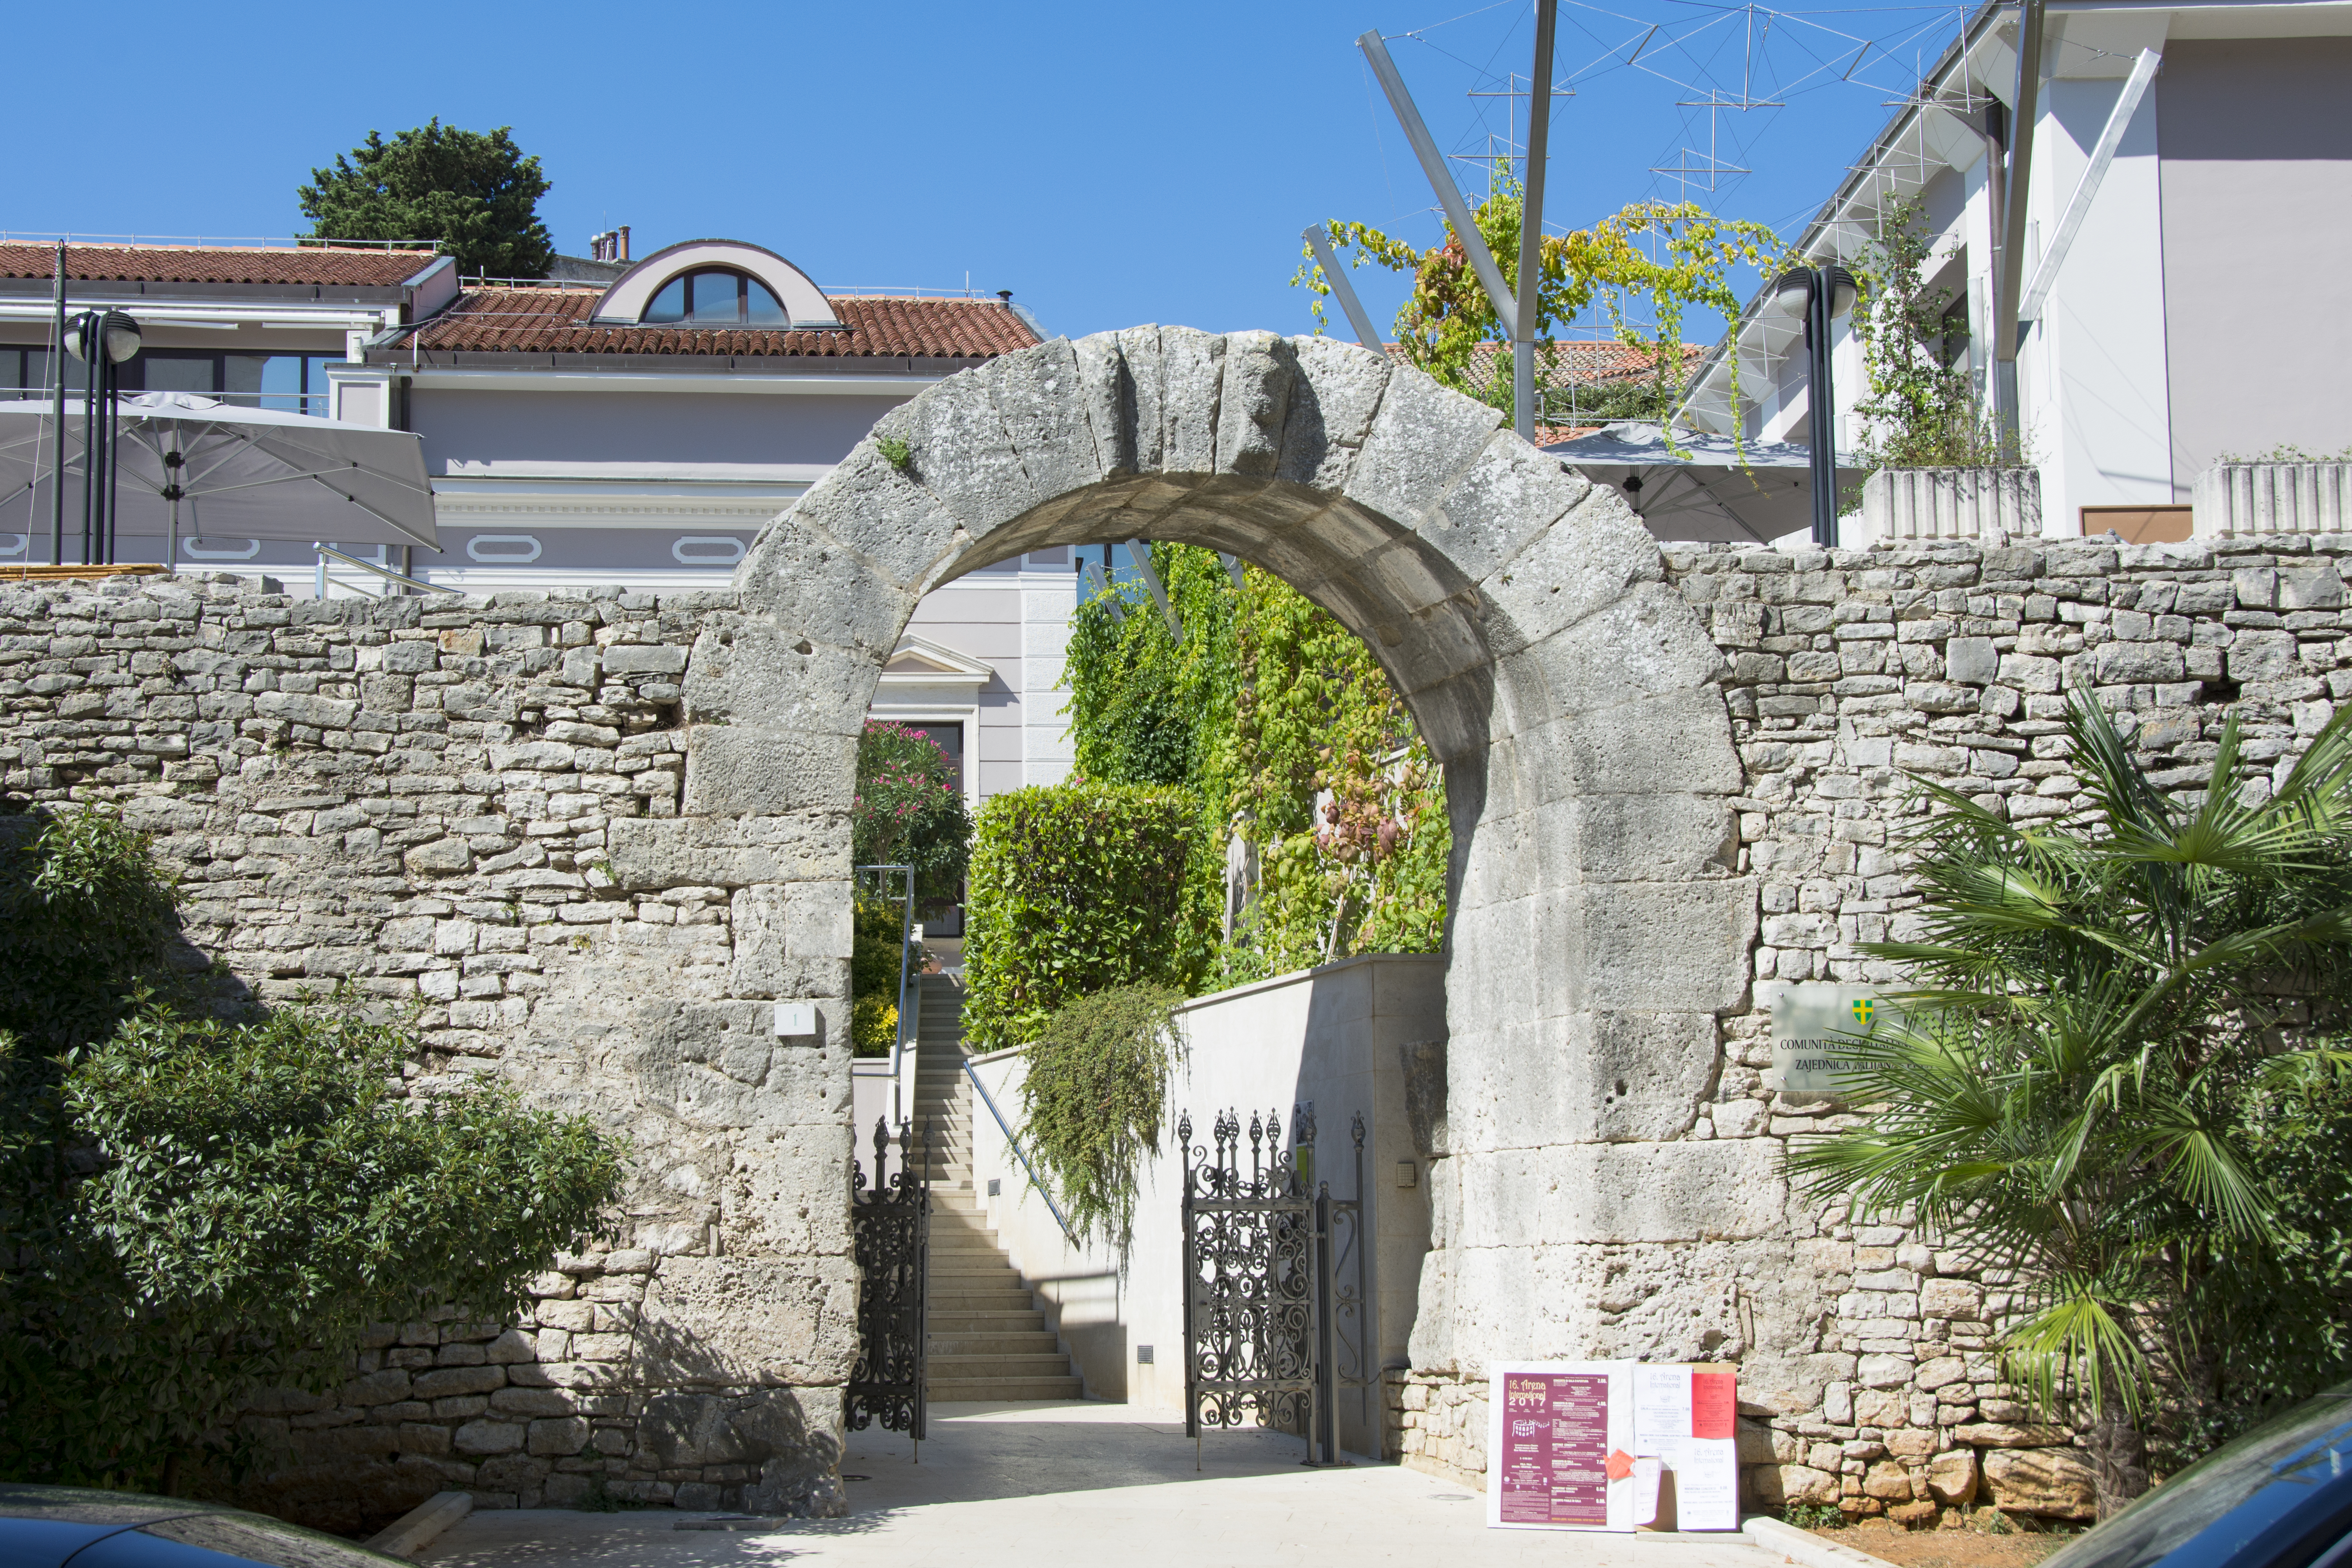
(1685, 1428)
(1558, 1442)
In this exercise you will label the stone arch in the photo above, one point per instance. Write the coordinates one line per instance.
(1600, 924)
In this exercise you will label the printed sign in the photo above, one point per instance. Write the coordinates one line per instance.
(1685, 1426)
(1558, 1436)
(1811, 1025)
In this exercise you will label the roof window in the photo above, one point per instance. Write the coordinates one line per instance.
(714, 296)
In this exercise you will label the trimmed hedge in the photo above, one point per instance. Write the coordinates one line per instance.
(1075, 889)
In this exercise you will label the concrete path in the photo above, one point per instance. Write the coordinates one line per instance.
(1058, 1486)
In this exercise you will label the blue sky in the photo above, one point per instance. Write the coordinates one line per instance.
(1110, 165)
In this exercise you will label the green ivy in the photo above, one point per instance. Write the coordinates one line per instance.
(1075, 889)
(1920, 407)
(1094, 1099)
(1266, 702)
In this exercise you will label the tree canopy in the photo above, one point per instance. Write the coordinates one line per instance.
(477, 193)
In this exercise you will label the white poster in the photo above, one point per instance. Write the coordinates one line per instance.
(1685, 1425)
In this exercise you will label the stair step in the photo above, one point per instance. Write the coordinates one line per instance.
(1006, 1389)
(1052, 1364)
(987, 1302)
(964, 1323)
(1018, 1343)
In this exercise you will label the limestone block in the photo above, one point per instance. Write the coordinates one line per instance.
(2124, 663)
(1885, 1372)
(1593, 557)
(727, 851)
(1037, 393)
(1332, 402)
(1676, 741)
(1778, 1486)
(530, 1404)
(811, 586)
(1510, 505)
(489, 1438)
(1943, 1370)
(1663, 838)
(2055, 1483)
(1650, 642)
(1972, 661)
(1190, 365)
(1253, 402)
(1960, 1299)
(2007, 1435)
(2263, 656)
(1424, 439)
(962, 454)
(711, 1320)
(1621, 1192)
(1952, 1477)
(445, 1380)
(1888, 1481)
(2320, 588)
(791, 940)
(1911, 1444)
(325, 712)
(559, 1437)
(739, 770)
(1669, 946)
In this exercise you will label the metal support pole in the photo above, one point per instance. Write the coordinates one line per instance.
(1433, 164)
(57, 453)
(1318, 239)
(2023, 110)
(89, 458)
(1523, 340)
(1323, 1423)
(1821, 410)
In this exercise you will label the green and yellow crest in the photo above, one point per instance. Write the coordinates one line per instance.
(1866, 1012)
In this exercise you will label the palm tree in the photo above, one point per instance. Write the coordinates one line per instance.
(2061, 1096)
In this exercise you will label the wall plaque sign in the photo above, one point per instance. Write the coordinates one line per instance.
(1812, 1024)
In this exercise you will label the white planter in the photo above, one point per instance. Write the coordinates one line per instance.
(2271, 498)
(1903, 506)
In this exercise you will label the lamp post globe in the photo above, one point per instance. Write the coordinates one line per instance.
(122, 336)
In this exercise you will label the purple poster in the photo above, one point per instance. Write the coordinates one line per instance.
(1555, 1459)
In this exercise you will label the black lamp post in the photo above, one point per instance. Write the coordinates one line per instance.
(103, 341)
(1821, 295)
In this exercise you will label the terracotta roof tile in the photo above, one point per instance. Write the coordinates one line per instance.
(215, 264)
(556, 321)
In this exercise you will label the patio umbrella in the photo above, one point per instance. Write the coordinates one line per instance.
(194, 465)
(1755, 493)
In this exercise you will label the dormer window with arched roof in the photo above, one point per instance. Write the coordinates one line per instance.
(714, 296)
(715, 283)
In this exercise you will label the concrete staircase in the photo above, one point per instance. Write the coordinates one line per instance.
(988, 1340)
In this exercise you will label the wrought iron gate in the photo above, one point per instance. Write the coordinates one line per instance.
(1277, 1319)
(890, 1235)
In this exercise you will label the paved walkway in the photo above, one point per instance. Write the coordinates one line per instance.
(1080, 1486)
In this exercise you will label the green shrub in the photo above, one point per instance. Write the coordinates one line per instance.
(1075, 889)
(909, 810)
(878, 927)
(1094, 1098)
(196, 1207)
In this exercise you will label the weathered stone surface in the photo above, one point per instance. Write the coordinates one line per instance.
(1952, 1477)
(2056, 1483)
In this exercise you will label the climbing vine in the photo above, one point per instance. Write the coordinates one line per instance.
(1666, 257)
(1322, 829)
(1920, 407)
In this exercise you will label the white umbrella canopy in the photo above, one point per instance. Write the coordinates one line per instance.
(192, 466)
(1751, 494)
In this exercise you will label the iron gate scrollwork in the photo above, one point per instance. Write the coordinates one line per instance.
(1277, 1319)
(890, 1231)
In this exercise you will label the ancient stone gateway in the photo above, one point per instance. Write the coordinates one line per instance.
(1598, 926)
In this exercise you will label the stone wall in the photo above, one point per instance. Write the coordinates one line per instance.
(472, 807)
(1846, 672)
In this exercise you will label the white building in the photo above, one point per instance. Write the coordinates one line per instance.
(632, 433)
(2197, 311)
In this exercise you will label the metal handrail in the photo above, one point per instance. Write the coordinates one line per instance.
(990, 1100)
(906, 958)
(327, 552)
